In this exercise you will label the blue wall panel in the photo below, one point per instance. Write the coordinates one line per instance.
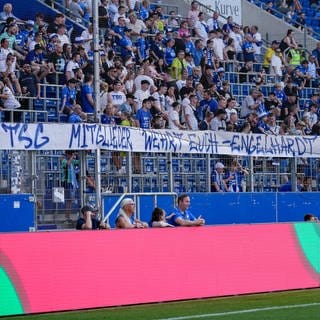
(16, 212)
(229, 208)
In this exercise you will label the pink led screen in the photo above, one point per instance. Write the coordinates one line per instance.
(43, 272)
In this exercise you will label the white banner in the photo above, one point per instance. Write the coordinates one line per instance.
(85, 136)
(226, 8)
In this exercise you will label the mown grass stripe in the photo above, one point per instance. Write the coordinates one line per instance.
(207, 315)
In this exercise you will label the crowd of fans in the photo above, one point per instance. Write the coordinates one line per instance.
(160, 71)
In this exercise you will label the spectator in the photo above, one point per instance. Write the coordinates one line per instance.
(213, 22)
(58, 20)
(276, 65)
(190, 113)
(218, 179)
(179, 64)
(268, 55)
(143, 116)
(174, 118)
(182, 216)
(7, 12)
(288, 41)
(68, 95)
(38, 65)
(159, 219)
(125, 218)
(193, 14)
(29, 82)
(201, 28)
(205, 123)
(88, 221)
(76, 115)
(70, 169)
(310, 217)
(235, 177)
(87, 98)
(218, 123)
(250, 103)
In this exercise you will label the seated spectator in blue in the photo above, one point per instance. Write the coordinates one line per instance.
(144, 116)
(182, 216)
(69, 94)
(76, 115)
(263, 126)
(125, 218)
(36, 59)
(218, 179)
(88, 220)
(87, 98)
(127, 47)
(159, 219)
(108, 116)
(235, 177)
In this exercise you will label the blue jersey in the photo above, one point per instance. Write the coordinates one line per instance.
(69, 94)
(86, 106)
(142, 46)
(169, 56)
(185, 215)
(144, 118)
(126, 42)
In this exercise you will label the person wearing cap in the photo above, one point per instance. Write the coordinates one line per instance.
(218, 182)
(88, 220)
(125, 218)
(182, 216)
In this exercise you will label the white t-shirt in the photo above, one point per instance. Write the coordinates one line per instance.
(11, 102)
(275, 65)
(173, 116)
(192, 119)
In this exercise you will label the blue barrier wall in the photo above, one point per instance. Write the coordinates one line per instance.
(229, 208)
(16, 212)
